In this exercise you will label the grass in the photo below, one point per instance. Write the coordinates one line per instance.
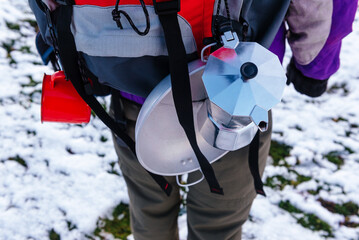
(345, 209)
(19, 160)
(307, 220)
(279, 182)
(70, 225)
(54, 235)
(339, 87)
(32, 23)
(9, 47)
(31, 83)
(118, 226)
(349, 223)
(13, 26)
(335, 157)
(315, 224)
(103, 138)
(113, 170)
(25, 49)
(279, 151)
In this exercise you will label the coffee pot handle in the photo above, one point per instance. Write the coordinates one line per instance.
(56, 76)
(260, 118)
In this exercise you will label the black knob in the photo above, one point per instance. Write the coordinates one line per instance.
(249, 70)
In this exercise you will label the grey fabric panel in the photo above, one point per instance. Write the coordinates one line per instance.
(234, 6)
(265, 18)
(96, 34)
(309, 27)
(137, 76)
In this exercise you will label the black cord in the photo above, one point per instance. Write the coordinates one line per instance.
(218, 7)
(221, 24)
(227, 9)
(116, 15)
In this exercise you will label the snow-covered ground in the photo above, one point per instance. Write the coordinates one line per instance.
(60, 179)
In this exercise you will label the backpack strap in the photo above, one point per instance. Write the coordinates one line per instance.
(253, 160)
(181, 88)
(70, 62)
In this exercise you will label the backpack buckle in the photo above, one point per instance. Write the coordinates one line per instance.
(167, 7)
(230, 39)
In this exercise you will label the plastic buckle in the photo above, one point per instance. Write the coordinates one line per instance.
(167, 7)
(230, 39)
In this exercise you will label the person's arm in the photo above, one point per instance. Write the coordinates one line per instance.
(316, 30)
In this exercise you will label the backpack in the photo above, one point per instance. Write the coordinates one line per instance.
(127, 47)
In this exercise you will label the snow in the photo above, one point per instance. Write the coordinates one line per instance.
(65, 177)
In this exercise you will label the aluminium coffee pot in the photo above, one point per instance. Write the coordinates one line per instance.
(232, 94)
(242, 85)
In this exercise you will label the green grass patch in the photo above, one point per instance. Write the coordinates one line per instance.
(316, 191)
(349, 150)
(302, 178)
(31, 83)
(70, 151)
(279, 151)
(19, 160)
(70, 225)
(54, 235)
(339, 119)
(315, 224)
(286, 205)
(348, 223)
(9, 47)
(13, 26)
(103, 138)
(339, 87)
(345, 209)
(335, 157)
(31, 132)
(113, 170)
(32, 23)
(25, 49)
(279, 182)
(119, 226)
(299, 128)
(307, 220)
(325, 187)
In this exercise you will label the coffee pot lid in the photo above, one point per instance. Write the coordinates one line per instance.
(246, 81)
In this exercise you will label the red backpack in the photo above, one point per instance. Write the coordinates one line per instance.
(158, 37)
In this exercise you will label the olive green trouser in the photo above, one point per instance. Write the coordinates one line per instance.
(210, 216)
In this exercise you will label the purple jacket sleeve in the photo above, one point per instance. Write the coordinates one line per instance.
(326, 62)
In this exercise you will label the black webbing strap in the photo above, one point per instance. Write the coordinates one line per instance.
(181, 88)
(118, 109)
(70, 63)
(253, 164)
